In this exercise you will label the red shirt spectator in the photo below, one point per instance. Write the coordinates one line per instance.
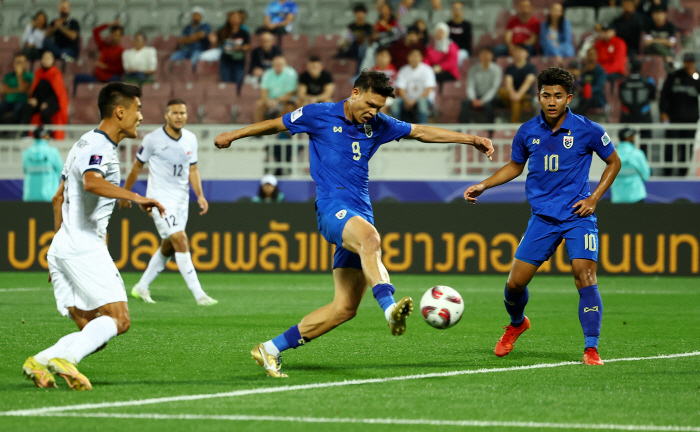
(523, 31)
(110, 62)
(612, 51)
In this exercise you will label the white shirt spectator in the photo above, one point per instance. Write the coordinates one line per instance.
(33, 37)
(143, 60)
(415, 81)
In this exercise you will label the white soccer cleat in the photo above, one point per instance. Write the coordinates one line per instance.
(143, 294)
(206, 301)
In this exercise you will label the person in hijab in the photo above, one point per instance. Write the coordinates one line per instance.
(443, 55)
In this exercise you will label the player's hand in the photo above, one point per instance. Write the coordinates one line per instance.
(484, 145)
(147, 204)
(474, 191)
(223, 140)
(124, 204)
(586, 206)
(203, 204)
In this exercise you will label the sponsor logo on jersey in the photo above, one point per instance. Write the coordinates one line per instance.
(535, 141)
(593, 309)
(605, 138)
(368, 131)
(95, 160)
(337, 128)
(296, 114)
(341, 214)
(140, 150)
(568, 142)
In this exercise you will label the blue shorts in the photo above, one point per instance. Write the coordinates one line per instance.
(331, 216)
(543, 236)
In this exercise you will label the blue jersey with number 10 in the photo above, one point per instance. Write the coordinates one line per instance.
(340, 150)
(559, 162)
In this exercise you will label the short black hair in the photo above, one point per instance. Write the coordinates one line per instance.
(19, 54)
(415, 48)
(374, 81)
(314, 58)
(359, 8)
(556, 76)
(115, 27)
(115, 94)
(658, 8)
(175, 102)
(382, 50)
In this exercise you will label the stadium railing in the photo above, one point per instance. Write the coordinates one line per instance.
(288, 157)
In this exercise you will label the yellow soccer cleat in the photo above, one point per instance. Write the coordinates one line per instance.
(207, 301)
(143, 294)
(271, 363)
(36, 371)
(70, 373)
(397, 320)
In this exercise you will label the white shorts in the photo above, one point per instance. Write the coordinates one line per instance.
(174, 221)
(85, 282)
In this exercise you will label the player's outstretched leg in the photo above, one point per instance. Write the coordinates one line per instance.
(516, 296)
(590, 308)
(155, 266)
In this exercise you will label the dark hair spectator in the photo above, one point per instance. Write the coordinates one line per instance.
(387, 29)
(34, 35)
(357, 36)
(261, 57)
(140, 62)
(589, 84)
(62, 37)
(522, 29)
(483, 81)
(42, 166)
(234, 43)
(415, 89)
(460, 31)
(629, 26)
(194, 39)
(556, 38)
(399, 50)
(109, 67)
(315, 83)
(612, 52)
(48, 100)
(660, 37)
(16, 86)
(518, 88)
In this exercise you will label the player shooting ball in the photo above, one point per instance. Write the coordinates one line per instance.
(343, 137)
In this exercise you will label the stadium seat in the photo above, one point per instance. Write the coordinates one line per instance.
(192, 93)
(295, 41)
(454, 90)
(243, 112)
(326, 41)
(653, 66)
(179, 71)
(6, 62)
(581, 17)
(341, 65)
(412, 15)
(249, 93)
(685, 19)
(164, 43)
(216, 113)
(153, 110)
(443, 15)
(84, 113)
(226, 93)
(207, 71)
(88, 91)
(9, 43)
(157, 91)
(449, 109)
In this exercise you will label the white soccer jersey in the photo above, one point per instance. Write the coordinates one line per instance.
(86, 215)
(169, 166)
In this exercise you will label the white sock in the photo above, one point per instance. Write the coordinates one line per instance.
(95, 334)
(184, 263)
(155, 266)
(271, 348)
(388, 311)
(57, 350)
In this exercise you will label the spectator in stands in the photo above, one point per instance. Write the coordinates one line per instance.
(278, 87)
(386, 30)
(628, 187)
(279, 15)
(354, 43)
(109, 67)
(436, 5)
(629, 26)
(140, 62)
(660, 37)
(636, 93)
(261, 57)
(48, 98)
(679, 104)
(415, 89)
(443, 55)
(15, 87)
(460, 31)
(234, 43)
(518, 86)
(382, 63)
(33, 36)
(268, 192)
(556, 38)
(399, 50)
(612, 52)
(423, 34)
(194, 40)
(589, 86)
(42, 166)
(62, 37)
(244, 18)
(404, 7)
(315, 84)
(522, 29)
(483, 81)
(645, 7)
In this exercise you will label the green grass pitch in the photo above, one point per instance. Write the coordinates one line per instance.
(175, 348)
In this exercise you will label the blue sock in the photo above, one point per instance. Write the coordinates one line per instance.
(289, 339)
(515, 305)
(384, 293)
(590, 313)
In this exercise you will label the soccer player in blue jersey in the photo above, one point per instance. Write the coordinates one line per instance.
(559, 145)
(343, 138)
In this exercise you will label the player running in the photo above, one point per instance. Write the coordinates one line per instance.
(559, 145)
(343, 138)
(86, 283)
(171, 153)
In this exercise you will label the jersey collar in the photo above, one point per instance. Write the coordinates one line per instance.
(567, 124)
(339, 111)
(170, 136)
(106, 136)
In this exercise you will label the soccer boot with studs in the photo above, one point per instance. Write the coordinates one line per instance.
(271, 364)
(70, 373)
(591, 357)
(39, 373)
(507, 341)
(397, 318)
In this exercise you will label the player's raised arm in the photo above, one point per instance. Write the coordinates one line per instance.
(430, 134)
(509, 171)
(267, 127)
(94, 182)
(136, 169)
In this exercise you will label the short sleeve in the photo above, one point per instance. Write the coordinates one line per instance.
(145, 151)
(394, 129)
(292, 8)
(265, 80)
(600, 142)
(301, 119)
(192, 157)
(326, 77)
(400, 82)
(94, 159)
(430, 80)
(518, 150)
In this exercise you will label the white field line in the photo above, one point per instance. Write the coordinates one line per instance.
(280, 389)
(384, 421)
(7, 290)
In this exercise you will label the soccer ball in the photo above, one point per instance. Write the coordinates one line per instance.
(441, 307)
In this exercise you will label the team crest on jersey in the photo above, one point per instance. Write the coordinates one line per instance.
(341, 214)
(368, 130)
(95, 160)
(568, 142)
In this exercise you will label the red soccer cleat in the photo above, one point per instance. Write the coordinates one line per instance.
(506, 342)
(591, 357)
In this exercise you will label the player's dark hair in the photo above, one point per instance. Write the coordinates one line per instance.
(359, 8)
(314, 58)
(115, 94)
(556, 76)
(176, 102)
(374, 81)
